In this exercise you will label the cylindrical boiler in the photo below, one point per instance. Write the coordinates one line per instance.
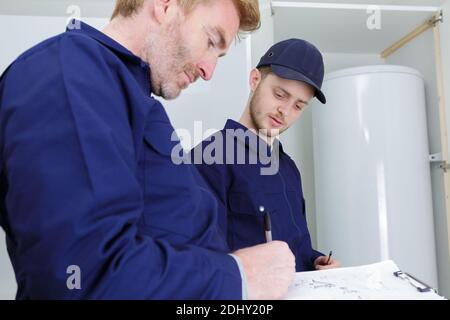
(372, 170)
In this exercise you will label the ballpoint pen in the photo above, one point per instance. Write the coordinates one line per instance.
(329, 257)
(267, 224)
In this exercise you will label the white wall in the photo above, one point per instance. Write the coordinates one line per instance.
(19, 33)
(86, 8)
(263, 39)
(336, 61)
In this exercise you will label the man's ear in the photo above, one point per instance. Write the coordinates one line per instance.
(160, 8)
(255, 79)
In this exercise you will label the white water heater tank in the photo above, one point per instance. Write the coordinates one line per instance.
(372, 170)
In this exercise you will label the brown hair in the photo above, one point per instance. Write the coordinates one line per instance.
(249, 16)
(265, 71)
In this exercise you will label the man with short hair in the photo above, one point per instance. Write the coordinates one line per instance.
(93, 207)
(250, 194)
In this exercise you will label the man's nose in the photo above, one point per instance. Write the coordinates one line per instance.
(206, 68)
(283, 109)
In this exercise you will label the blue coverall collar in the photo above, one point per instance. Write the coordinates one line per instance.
(231, 124)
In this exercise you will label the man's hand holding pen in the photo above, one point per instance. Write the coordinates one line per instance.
(326, 262)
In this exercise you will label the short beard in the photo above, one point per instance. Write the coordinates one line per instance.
(256, 122)
(254, 101)
(166, 55)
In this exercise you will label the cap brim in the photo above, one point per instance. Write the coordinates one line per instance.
(290, 74)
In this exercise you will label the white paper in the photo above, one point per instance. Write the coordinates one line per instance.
(368, 282)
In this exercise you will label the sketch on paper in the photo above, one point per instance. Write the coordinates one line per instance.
(374, 281)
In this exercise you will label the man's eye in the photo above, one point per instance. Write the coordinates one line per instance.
(211, 43)
(278, 95)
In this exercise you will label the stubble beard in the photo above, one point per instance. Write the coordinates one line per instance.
(167, 56)
(257, 117)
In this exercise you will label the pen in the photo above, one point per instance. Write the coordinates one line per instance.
(267, 225)
(329, 256)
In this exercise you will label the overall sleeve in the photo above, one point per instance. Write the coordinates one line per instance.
(215, 177)
(72, 196)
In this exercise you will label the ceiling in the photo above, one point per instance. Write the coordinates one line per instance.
(380, 2)
(345, 30)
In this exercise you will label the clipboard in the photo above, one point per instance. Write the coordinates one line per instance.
(416, 283)
(378, 281)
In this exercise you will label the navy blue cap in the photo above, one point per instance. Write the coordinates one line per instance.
(296, 59)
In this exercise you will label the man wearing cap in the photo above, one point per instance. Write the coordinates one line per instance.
(287, 77)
